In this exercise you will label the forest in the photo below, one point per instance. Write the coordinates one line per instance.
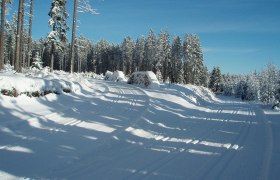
(173, 59)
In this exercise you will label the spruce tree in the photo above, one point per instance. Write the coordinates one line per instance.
(81, 6)
(163, 54)
(127, 52)
(139, 52)
(176, 75)
(2, 32)
(197, 65)
(269, 82)
(18, 52)
(57, 36)
(187, 58)
(30, 32)
(149, 63)
(37, 61)
(215, 80)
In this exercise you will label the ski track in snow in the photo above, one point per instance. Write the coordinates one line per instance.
(118, 131)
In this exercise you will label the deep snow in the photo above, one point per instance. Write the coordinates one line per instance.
(110, 130)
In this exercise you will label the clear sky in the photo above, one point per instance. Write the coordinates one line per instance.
(238, 35)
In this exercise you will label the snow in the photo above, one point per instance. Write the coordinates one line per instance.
(146, 79)
(111, 130)
(116, 76)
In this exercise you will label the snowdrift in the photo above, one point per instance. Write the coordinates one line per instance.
(39, 83)
(116, 76)
(146, 79)
(197, 95)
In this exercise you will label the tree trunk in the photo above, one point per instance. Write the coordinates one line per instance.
(3, 12)
(22, 50)
(30, 32)
(18, 37)
(52, 57)
(72, 56)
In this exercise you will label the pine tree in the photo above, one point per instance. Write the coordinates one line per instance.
(252, 91)
(215, 80)
(37, 61)
(30, 32)
(195, 71)
(197, 66)
(101, 56)
(57, 36)
(269, 80)
(127, 50)
(74, 27)
(163, 54)
(230, 83)
(81, 6)
(83, 47)
(117, 57)
(176, 75)
(18, 52)
(149, 63)
(187, 58)
(278, 87)
(138, 54)
(204, 77)
(2, 33)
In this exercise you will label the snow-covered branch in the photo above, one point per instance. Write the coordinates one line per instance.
(85, 7)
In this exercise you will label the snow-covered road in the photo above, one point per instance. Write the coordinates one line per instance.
(118, 131)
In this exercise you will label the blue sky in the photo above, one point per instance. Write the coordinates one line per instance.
(238, 35)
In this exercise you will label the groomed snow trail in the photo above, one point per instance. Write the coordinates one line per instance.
(118, 131)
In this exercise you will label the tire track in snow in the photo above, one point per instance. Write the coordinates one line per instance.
(151, 167)
(225, 159)
(122, 90)
(264, 174)
(178, 154)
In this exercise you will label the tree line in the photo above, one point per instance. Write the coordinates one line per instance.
(174, 60)
(261, 86)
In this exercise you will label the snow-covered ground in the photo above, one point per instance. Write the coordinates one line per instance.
(111, 130)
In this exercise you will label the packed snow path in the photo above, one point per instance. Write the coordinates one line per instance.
(118, 131)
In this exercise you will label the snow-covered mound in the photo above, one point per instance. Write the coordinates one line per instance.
(203, 92)
(40, 82)
(194, 94)
(144, 79)
(116, 76)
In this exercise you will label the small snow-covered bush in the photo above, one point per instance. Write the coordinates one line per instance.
(8, 69)
(144, 79)
(276, 105)
(37, 62)
(116, 76)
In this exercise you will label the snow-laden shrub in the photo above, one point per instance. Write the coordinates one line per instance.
(8, 69)
(116, 76)
(276, 105)
(144, 79)
(37, 62)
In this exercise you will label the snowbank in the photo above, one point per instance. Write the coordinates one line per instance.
(116, 76)
(203, 92)
(146, 79)
(40, 82)
(196, 95)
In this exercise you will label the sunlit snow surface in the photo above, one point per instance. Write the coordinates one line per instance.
(110, 130)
